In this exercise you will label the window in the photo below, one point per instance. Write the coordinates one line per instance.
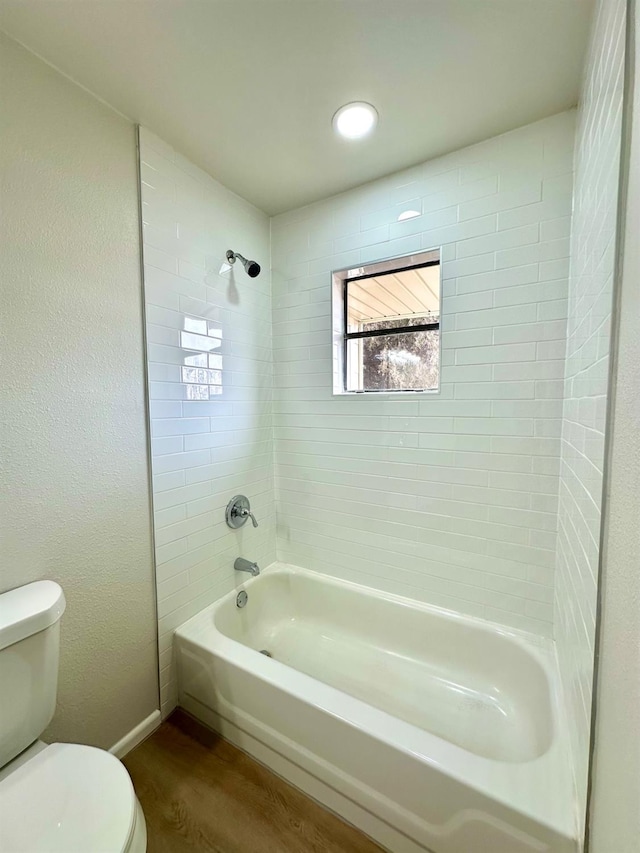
(386, 329)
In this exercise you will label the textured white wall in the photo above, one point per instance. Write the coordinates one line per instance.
(75, 483)
(449, 498)
(597, 158)
(204, 451)
(615, 798)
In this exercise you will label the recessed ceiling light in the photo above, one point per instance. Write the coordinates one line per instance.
(408, 214)
(353, 121)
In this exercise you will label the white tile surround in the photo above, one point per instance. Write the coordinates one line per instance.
(452, 497)
(597, 156)
(203, 451)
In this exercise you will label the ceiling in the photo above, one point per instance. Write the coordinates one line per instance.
(246, 88)
(395, 295)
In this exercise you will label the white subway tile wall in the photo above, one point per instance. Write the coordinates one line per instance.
(597, 157)
(210, 384)
(450, 497)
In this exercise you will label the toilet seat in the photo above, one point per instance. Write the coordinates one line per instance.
(69, 799)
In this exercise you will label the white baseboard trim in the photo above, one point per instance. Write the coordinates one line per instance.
(136, 735)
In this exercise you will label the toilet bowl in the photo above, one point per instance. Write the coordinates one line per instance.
(67, 798)
(60, 797)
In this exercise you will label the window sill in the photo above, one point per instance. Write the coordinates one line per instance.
(387, 395)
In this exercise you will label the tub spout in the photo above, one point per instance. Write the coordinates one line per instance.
(242, 565)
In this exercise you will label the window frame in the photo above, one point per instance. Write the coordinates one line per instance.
(341, 335)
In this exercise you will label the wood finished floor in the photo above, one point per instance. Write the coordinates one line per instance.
(198, 792)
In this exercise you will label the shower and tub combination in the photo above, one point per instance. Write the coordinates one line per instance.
(391, 637)
(428, 729)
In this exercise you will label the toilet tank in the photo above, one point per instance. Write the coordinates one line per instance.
(29, 653)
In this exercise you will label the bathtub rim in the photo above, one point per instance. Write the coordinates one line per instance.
(552, 768)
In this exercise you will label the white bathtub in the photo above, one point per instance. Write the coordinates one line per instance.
(427, 729)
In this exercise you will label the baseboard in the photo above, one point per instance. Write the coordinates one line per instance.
(136, 735)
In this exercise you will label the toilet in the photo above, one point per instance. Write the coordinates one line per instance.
(61, 797)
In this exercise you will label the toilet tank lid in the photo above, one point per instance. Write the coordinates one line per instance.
(28, 609)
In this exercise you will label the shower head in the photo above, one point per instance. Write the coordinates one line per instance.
(252, 268)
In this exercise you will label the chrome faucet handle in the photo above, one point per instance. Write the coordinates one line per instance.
(238, 511)
(244, 512)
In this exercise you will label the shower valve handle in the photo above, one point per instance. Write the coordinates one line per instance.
(246, 513)
(238, 511)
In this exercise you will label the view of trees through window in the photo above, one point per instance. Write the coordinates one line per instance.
(406, 361)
